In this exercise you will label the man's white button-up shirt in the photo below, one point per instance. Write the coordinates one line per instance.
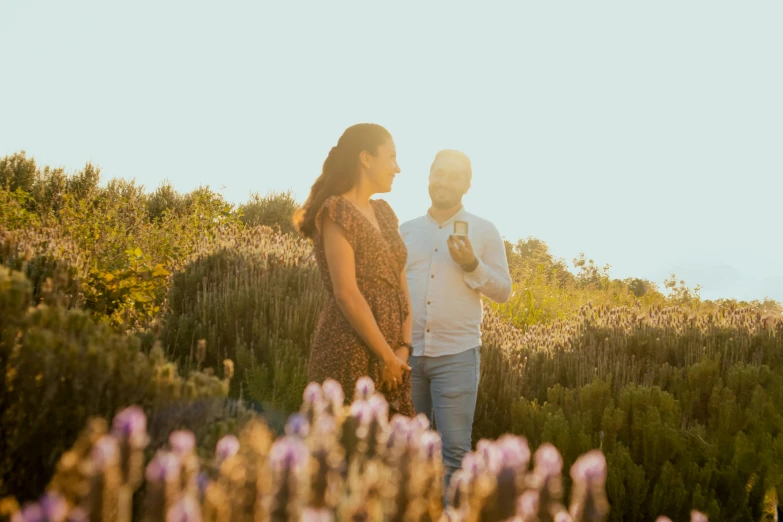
(446, 300)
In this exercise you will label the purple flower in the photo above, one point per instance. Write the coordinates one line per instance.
(489, 454)
(312, 393)
(165, 466)
(399, 422)
(182, 442)
(563, 516)
(590, 467)
(360, 409)
(663, 519)
(316, 515)
(333, 392)
(227, 447)
(514, 451)
(185, 510)
(30, 513)
(472, 464)
(698, 516)
(527, 504)
(131, 425)
(106, 452)
(55, 508)
(364, 388)
(460, 479)
(297, 425)
(430, 444)
(202, 481)
(420, 423)
(399, 430)
(288, 453)
(548, 462)
(379, 408)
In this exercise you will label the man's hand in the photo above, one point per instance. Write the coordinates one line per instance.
(462, 252)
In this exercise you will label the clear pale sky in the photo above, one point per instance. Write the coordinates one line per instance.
(647, 135)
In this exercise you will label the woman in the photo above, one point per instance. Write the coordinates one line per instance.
(365, 325)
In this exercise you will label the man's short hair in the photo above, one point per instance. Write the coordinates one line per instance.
(455, 154)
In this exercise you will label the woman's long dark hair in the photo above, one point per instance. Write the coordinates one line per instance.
(340, 171)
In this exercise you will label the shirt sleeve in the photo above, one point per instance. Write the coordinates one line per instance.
(491, 277)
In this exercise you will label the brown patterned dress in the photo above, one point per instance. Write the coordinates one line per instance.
(338, 352)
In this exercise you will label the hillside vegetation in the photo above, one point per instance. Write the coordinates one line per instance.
(201, 313)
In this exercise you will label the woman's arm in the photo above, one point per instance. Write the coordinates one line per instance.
(407, 323)
(342, 271)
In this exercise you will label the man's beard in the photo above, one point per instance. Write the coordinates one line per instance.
(445, 203)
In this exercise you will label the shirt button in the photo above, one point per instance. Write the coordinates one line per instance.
(432, 276)
(429, 302)
(436, 250)
(428, 330)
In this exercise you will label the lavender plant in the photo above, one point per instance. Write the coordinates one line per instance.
(254, 296)
(687, 407)
(54, 264)
(335, 462)
(58, 368)
(683, 400)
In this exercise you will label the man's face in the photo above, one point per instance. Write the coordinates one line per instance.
(449, 181)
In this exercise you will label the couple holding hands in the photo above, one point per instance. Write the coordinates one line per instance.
(403, 303)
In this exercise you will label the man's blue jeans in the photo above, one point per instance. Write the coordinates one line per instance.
(446, 388)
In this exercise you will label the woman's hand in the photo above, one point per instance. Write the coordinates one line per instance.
(393, 368)
(402, 353)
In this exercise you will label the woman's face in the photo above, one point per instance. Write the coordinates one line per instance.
(382, 167)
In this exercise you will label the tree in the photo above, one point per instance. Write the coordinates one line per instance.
(16, 171)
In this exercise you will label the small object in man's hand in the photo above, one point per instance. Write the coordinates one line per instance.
(460, 228)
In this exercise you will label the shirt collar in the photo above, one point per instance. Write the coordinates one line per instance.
(460, 213)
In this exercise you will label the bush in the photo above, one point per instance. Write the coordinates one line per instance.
(546, 291)
(14, 213)
(254, 296)
(58, 368)
(673, 397)
(54, 264)
(275, 210)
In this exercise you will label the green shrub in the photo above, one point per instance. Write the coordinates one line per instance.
(275, 210)
(254, 296)
(58, 368)
(18, 172)
(14, 213)
(165, 200)
(54, 264)
(672, 397)
(546, 290)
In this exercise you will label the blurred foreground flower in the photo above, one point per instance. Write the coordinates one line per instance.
(334, 463)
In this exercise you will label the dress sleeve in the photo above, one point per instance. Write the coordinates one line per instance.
(338, 209)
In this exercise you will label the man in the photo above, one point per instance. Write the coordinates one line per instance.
(447, 275)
